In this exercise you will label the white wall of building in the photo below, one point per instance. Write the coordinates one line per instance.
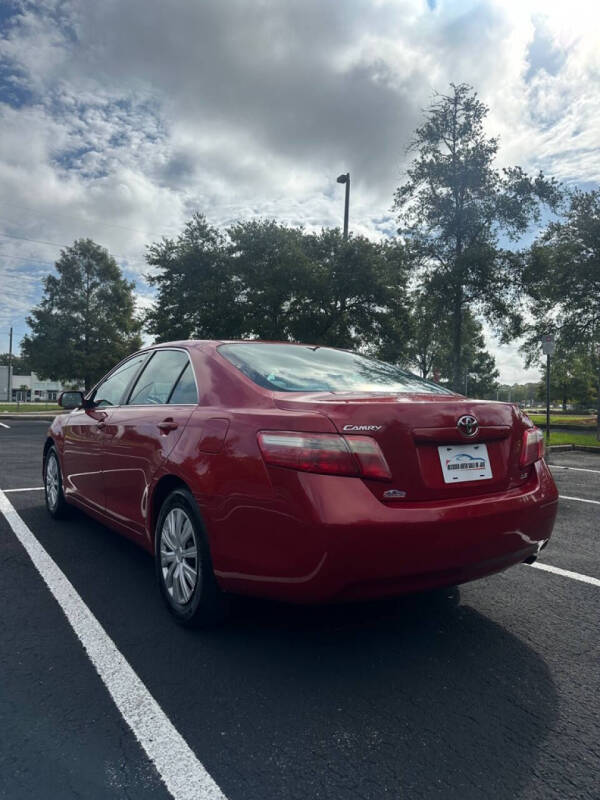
(3, 383)
(30, 388)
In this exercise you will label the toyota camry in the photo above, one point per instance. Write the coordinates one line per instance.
(303, 473)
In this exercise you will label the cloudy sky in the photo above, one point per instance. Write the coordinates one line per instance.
(120, 118)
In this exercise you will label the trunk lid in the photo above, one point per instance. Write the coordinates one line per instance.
(410, 428)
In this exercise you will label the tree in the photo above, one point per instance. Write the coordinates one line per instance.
(453, 208)
(431, 352)
(481, 374)
(428, 343)
(265, 280)
(85, 323)
(197, 292)
(273, 275)
(562, 277)
(355, 295)
(20, 365)
(572, 379)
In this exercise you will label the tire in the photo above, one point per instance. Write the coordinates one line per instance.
(53, 486)
(187, 582)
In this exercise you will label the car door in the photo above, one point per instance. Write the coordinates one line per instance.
(142, 432)
(84, 435)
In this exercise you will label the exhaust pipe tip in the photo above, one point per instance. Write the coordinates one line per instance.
(534, 556)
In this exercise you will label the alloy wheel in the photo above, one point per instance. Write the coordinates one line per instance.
(179, 556)
(52, 481)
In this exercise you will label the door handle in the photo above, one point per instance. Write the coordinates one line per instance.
(167, 425)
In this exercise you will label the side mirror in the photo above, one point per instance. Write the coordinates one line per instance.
(70, 400)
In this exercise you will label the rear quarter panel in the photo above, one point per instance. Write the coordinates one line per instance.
(258, 520)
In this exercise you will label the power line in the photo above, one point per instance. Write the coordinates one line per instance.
(35, 241)
(79, 221)
(8, 257)
(56, 244)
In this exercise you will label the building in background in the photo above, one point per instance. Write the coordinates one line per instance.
(30, 388)
(3, 383)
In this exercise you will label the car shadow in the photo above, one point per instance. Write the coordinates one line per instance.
(420, 697)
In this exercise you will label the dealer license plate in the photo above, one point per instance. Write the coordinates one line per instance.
(464, 462)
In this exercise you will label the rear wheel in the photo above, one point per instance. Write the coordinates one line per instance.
(183, 564)
(53, 487)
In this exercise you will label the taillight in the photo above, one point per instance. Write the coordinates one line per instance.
(327, 453)
(532, 447)
(369, 456)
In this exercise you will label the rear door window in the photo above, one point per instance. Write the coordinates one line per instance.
(185, 391)
(154, 385)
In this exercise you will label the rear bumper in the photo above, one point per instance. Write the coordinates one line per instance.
(361, 548)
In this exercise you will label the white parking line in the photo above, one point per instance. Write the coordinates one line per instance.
(2, 425)
(566, 573)
(28, 489)
(579, 499)
(575, 469)
(177, 765)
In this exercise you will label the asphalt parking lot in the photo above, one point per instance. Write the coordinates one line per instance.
(486, 691)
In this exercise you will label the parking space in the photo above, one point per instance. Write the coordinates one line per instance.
(488, 690)
(20, 453)
(576, 543)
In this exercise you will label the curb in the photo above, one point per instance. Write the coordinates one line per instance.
(38, 415)
(586, 448)
(570, 428)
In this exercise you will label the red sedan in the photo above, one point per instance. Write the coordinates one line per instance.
(297, 472)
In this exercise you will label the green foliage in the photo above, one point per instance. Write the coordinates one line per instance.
(525, 393)
(356, 295)
(269, 281)
(574, 437)
(430, 351)
(20, 364)
(85, 322)
(196, 291)
(572, 379)
(562, 277)
(452, 208)
(272, 274)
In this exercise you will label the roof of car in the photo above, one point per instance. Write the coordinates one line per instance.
(214, 342)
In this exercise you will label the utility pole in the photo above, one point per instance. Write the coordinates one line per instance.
(9, 382)
(345, 178)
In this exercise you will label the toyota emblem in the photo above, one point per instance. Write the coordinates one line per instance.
(468, 425)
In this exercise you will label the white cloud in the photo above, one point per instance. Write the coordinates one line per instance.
(120, 119)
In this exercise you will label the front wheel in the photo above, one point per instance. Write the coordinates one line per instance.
(53, 487)
(183, 563)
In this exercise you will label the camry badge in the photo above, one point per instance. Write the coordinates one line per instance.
(361, 428)
(468, 425)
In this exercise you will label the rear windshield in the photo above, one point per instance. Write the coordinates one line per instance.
(299, 368)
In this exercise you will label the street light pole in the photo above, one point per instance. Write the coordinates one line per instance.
(547, 397)
(345, 178)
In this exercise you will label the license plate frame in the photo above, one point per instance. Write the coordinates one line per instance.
(465, 462)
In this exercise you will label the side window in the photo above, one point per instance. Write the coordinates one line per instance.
(110, 391)
(154, 385)
(185, 389)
